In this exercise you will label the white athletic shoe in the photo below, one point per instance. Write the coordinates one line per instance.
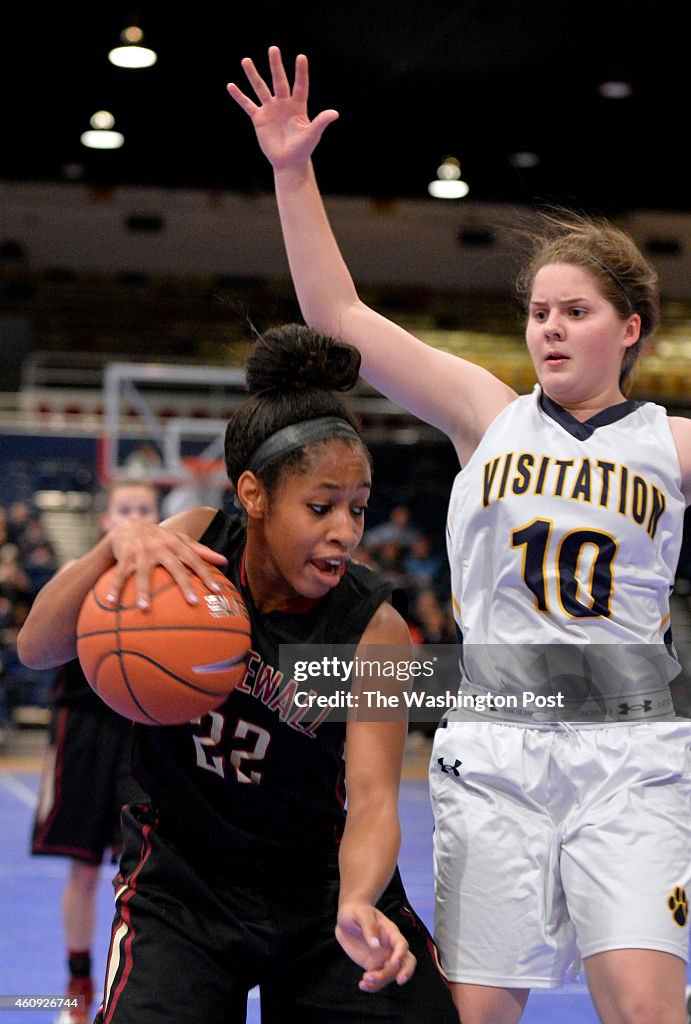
(82, 988)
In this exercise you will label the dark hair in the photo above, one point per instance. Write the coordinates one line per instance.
(293, 373)
(621, 272)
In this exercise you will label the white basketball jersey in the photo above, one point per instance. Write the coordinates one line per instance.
(568, 533)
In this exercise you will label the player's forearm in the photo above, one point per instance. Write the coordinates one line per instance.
(48, 637)
(439, 388)
(368, 853)
(323, 284)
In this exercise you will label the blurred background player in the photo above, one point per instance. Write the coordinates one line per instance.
(86, 780)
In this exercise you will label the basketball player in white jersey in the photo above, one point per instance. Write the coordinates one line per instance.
(568, 820)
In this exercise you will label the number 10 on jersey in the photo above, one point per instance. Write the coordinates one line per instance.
(577, 570)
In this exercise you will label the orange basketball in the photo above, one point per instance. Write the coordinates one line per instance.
(171, 663)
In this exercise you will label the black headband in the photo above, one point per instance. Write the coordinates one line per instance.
(616, 278)
(297, 435)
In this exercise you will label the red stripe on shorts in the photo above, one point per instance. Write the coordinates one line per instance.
(124, 918)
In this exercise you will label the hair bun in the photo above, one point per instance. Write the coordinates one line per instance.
(296, 358)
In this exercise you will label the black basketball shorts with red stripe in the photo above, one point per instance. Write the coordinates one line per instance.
(187, 948)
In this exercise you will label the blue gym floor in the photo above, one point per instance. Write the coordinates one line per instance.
(31, 945)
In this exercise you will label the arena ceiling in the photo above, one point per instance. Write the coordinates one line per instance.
(482, 80)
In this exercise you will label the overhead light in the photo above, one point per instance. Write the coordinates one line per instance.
(132, 54)
(449, 169)
(448, 189)
(524, 159)
(101, 135)
(448, 184)
(615, 90)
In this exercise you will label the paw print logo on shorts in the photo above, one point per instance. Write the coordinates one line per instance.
(679, 905)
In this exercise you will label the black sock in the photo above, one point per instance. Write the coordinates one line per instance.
(79, 964)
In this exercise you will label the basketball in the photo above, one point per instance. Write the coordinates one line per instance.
(171, 663)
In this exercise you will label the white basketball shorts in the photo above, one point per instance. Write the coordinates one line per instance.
(548, 837)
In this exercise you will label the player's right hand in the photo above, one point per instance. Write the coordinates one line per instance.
(285, 133)
(138, 546)
(373, 941)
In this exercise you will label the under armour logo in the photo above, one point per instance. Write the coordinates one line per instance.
(447, 768)
(645, 706)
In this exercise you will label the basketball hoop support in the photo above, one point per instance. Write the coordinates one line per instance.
(139, 387)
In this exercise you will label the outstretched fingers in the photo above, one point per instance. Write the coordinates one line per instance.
(284, 131)
(322, 121)
(279, 78)
(279, 81)
(260, 87)
(301, 82)
(243, 101)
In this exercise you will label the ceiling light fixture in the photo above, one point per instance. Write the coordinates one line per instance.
(524, 159)
(132, 54)
(615, 90)
(101, 135)
(448, 184)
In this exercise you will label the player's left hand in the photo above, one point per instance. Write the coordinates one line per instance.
(374, 942)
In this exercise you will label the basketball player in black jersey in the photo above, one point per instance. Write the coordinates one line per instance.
(86, 779)
(244, 869)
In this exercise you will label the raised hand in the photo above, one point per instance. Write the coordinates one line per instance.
(374, 942)
(285, 133)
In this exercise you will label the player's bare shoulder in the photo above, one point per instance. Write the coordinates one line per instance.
(386, 626)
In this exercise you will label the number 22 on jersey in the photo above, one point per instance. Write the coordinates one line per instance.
(245, 757)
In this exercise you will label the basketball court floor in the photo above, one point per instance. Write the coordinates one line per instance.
(31, 945)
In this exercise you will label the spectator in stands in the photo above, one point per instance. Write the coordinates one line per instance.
(40, 565)
(6, 694)
(14, 582)
(142, 461)
(433, 621)
(19, 516)
(389, 558)
(22, 688)
(15, 598)
(364, 556)
(32, 535)
(396, 530)
(422, 566)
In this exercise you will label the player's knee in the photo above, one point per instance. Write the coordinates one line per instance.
(477, 1004)
(650, 1008)
(84, 877)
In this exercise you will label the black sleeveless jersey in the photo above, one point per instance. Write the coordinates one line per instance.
(71, 690)
(250, 782)
(71, 687)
